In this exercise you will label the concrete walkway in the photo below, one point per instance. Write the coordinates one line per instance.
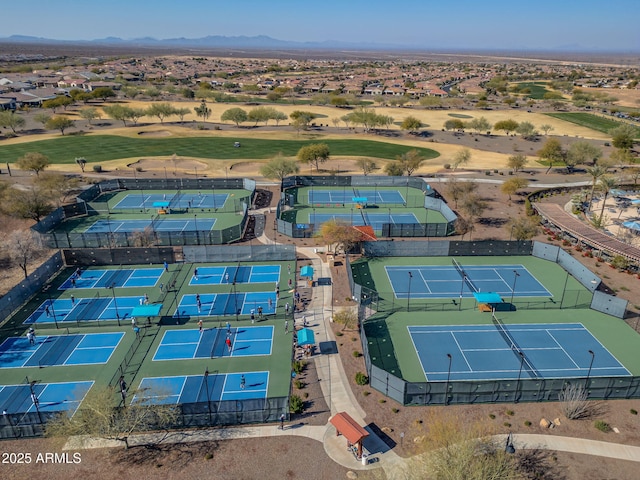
(340, 398)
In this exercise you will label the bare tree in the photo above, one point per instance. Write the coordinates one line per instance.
(23, 246)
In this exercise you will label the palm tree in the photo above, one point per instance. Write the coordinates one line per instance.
(606, 184)
(596, 172)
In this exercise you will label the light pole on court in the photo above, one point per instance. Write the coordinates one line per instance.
(464, 277)
(446, 388)
(515, 400)
(564, 289)
(409, 291)
(115, 302)
(206, 386)
(34, 399)
(593, 356)
(513, 289)
(195, 226)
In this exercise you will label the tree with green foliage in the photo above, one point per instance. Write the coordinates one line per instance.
(516, 162)
(511, 186)
(553, 152)
(622, 137)
(160, 110)
(546, 128)
(461, 157)
(473, 205)
(394, 169)
(279, 167)
(12, 120)
(32, 203)
(34, 161)
(315, 154)
(59, 123)
(57, 186)
(454, 124)
(523, 228)
(431, 102)
(527, 130)
(410, 161)
(507, 126)
(606, 183)
(480, 124)
(42, 118)
(118, 112)
(583, 152)
(181, 113)
(89, 113)
(188, 93)
(302, 119)
(367, 165)
(596, 172)
(278, 116)
(55, 103)
(103, 93)
(457, 189)
(339, 236)
(411, 124)
(203, 110)
(259, 114)
(100, 416)
(235, 115)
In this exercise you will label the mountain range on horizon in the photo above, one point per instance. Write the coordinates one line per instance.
(265, 42)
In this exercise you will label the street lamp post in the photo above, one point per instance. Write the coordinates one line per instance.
(513, 289)
(564, 289)
(593, 356)
(115, 302)
(34, 399)
(235, 299)
(519, 374)
(446, 388)
(409, 291)
(206, 386)
(195, 225)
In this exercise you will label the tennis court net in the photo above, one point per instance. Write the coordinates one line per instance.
(215, 342)
(464, 275)
(364, 219)
(512, 343)
(175, 201)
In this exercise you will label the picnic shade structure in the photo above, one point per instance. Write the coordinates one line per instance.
(487, 301)
(306, 271)
(306, 337)
(632, 225)
(347, 426)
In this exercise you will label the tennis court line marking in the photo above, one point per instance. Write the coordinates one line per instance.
(461, 352)
(562, 348)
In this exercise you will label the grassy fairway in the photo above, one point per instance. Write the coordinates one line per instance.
(591, 121)
(536, 90)
(99, 148)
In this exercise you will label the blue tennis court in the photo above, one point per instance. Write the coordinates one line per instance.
(443, 281)
(163, 225)
(87, 349)
(359, 218)
(51, 397)
(200, 389)
(481, 352)
(83, 309)
(348, 196)
(213, 304)
(210, 343)
(176, 200)
(123, 278)
(223, 274)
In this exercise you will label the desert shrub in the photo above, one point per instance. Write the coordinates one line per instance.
(299, 384)
(299, 366)
(573, 401)
(362, 379)
(296, 404)
(356, 354)
(602, 426)
(633, 411)
(97, 168)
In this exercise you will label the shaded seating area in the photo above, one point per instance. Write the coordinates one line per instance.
(355, 434)
(488, 301)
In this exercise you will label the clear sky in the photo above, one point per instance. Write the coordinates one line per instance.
(423, 24)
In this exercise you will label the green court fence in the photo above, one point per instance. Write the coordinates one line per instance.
(86, 204)
(490, 391)
(431, 200)
(239, 253)
(34, 283)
